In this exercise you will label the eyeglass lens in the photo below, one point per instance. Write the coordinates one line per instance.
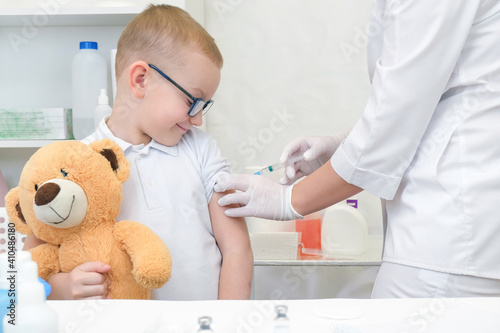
(199, 105)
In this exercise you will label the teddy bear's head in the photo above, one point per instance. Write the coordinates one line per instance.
(68, 187)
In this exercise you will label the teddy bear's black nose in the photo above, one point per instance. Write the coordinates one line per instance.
(46, 194)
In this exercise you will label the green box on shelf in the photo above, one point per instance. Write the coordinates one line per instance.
(36, 124)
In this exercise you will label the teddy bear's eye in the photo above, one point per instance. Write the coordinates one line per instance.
(64, 173)
(36, 187)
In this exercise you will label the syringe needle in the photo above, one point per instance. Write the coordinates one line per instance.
(278, 166)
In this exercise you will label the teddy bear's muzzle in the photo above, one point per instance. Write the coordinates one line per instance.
(60, 203)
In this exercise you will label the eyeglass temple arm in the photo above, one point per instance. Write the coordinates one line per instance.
(173, 82)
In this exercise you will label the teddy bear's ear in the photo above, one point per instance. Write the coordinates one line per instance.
(14, 212)
(114, 154)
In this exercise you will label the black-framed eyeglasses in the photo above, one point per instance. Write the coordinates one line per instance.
(198, 105)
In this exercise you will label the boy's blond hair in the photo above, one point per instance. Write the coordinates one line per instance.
(159, 34)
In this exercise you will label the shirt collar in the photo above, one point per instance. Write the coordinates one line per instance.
(173, 150)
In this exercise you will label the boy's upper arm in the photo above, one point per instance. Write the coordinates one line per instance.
(231, 233)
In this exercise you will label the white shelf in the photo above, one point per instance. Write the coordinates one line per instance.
(317, 263)
(75, 16)
(371, 257)
(25, 143)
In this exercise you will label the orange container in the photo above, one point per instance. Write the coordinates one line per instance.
(310, 234)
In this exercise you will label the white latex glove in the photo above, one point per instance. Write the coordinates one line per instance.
(316, 150)
(259, 197)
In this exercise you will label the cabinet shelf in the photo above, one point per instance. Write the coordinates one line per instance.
(371, 257)
(317, 263)
(74, 16)
(25, 143)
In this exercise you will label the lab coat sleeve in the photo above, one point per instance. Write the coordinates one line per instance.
(422, 41)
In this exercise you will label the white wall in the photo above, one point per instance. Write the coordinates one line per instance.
(285, 57)
(291, 67)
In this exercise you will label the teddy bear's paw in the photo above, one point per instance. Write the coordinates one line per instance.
(152, 276)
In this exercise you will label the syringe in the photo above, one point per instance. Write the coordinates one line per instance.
(278, 166)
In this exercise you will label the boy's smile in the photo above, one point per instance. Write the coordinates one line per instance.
(182, 128)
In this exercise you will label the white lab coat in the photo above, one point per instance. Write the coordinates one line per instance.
(429, 138)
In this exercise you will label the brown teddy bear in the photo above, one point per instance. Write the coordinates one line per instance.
(69, 196)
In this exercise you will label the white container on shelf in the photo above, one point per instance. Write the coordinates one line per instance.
(344, 233)
(112, 62)
(88, 77)
(103, 109)
(275, 245)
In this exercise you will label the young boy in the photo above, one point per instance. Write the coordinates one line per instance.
(168, 69)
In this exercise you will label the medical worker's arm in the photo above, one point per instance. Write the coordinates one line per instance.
(87, 281)
(321, 189)
(263, 197)
(233, 240)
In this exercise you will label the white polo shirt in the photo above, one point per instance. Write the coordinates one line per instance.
(168, 190)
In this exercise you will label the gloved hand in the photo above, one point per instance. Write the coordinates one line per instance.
(317, 150)
(260, 197)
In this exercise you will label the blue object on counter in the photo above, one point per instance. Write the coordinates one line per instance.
(46, 286)
(4, 301)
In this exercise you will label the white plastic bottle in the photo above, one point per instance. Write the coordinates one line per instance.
(103, 109)
(344, 232)
(88, 76)
(32, 313)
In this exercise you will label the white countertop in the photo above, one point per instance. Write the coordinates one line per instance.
(477, 315)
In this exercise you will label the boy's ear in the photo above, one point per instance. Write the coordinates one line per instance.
(15, 213)
(137, 74)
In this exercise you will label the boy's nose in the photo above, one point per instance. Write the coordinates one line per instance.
(196, 120)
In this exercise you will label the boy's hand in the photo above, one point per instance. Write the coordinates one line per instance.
(87, 281)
